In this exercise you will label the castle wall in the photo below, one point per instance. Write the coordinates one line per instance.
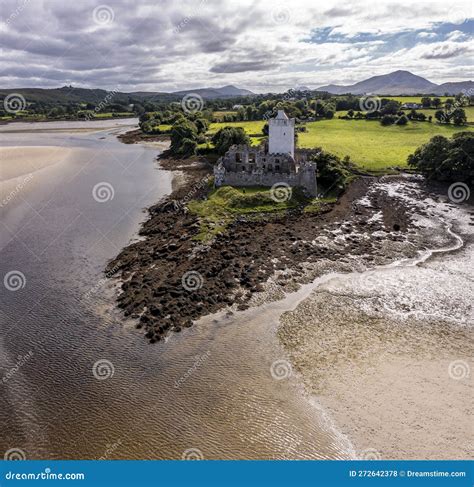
(305, 178)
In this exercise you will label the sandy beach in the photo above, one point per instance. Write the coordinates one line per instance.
(389, 352)
(20, 161)
(20, 165)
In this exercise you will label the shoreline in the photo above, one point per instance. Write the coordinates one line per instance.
(369, 227)
(234, 270)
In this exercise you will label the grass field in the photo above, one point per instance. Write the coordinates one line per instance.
(415, 99)
(251, 128)
(369, 144)
(219, 115)
(469, 112)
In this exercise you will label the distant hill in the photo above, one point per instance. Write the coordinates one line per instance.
(397, 83)
(68, 94)
(228, 91)
(455, 87)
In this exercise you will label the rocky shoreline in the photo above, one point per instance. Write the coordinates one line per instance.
(169, 279)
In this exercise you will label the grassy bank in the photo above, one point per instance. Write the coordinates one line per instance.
(225, 204)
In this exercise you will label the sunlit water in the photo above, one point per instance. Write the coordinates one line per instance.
(209, 388)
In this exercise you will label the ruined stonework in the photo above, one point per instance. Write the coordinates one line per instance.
(256, 166)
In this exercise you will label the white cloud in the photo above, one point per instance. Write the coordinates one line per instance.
(261, 45)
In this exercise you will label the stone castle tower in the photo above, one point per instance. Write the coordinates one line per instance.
(281, 134)
(244, 165)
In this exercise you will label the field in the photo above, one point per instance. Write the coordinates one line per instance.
(469, 112)
(369, 144)
(415, 99)
(251, 128)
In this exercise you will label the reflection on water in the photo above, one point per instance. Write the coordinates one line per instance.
(208, 388)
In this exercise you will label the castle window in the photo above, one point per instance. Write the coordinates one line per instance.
(243, 168)
(238, 157)
(277, 168)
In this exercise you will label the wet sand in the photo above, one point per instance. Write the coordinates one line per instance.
(20, 161)
(389, 352)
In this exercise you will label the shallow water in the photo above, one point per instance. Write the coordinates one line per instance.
(209, 388)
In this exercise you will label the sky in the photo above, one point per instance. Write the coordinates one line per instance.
(264, 46)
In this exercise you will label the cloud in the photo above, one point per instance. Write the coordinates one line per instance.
(445, 51)
(427, 35)
(233, 67)
(456, 35)
(159, 45)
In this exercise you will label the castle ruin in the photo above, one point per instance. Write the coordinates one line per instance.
(267, 165)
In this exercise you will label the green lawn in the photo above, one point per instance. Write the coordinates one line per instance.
(415, 99)
(369, 144)
(251, 128)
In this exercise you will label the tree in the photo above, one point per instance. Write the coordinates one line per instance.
(390, 108)
(426, 102)
(403, 120)
(440, 116)
(459, 116)
(202, 125)
(332, 171)
(350, 113)
(436, 102)
(446, 159)
(388, 120)
(228, 136)
(182, 134)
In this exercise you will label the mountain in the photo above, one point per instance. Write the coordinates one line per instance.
(396, 83)
(69, 94)
(455, 87)
(228, 91)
